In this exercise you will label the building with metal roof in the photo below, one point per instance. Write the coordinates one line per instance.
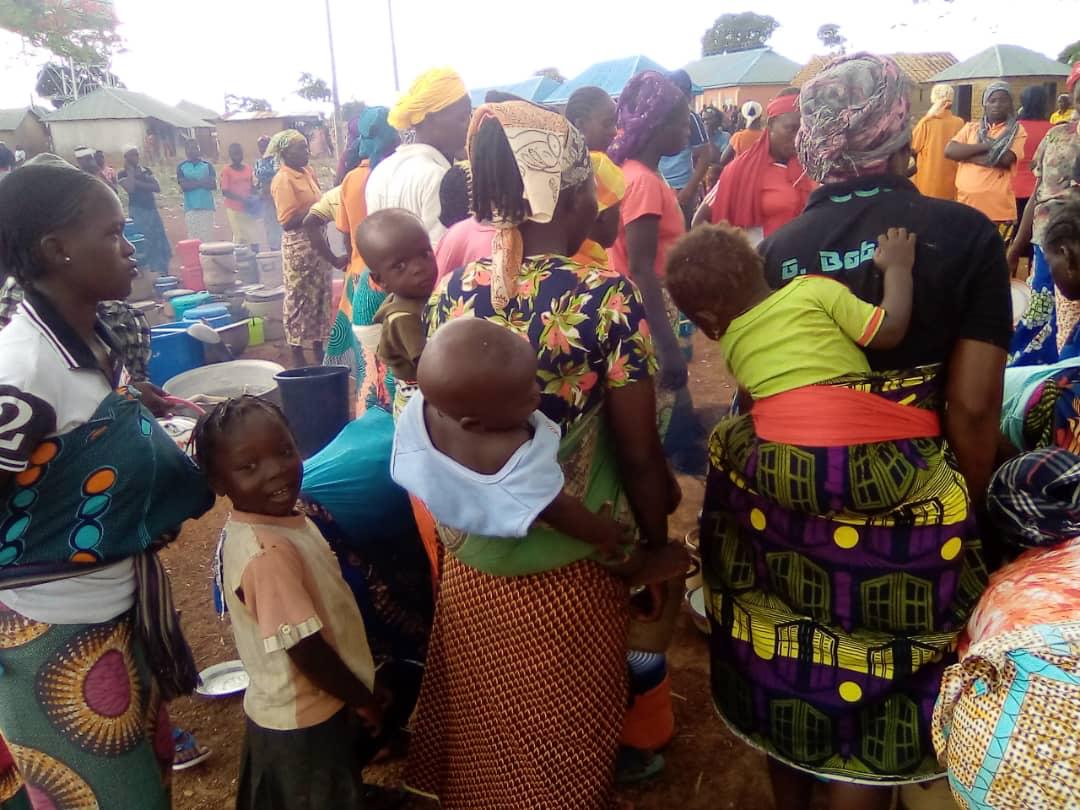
(1020, 67)
(754, 75)
(919, 68)
(200, 112)
(22, 126)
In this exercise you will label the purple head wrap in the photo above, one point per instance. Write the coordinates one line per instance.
(854, 118)
(648, 99)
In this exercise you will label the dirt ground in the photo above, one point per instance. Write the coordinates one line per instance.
(707, 768)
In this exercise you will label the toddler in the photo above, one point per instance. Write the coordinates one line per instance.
(296, 624)
(397, 250)
(809, 331)
(473, 446)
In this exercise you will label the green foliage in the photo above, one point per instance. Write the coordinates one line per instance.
(235, 103)
(313, 89)
(83, 31)
(738, 32)
(1070, 54)
(831, 38)
(351, 110)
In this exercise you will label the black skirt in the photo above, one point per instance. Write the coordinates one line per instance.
(305, 769)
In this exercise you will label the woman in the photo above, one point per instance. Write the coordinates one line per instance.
(434, 116)
(653, 121)
(1032, 116)
(988, 152)
(765, 187)
(1050, 318)
(830, 630)
(91, 486)
(264, 170)
(307, 274)
(553, 640)
(376, 140)
(751, 132)
(1005, 724)
(141, 186)
(935, 175)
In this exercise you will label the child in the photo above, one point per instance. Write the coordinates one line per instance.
(473, 446)
(296, 624)
(807, 332)
(397, 251)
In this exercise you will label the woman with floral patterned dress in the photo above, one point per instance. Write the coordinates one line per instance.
(525, 686)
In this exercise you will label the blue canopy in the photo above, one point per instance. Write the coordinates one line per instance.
(612, 76)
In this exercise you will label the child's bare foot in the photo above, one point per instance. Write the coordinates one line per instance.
(651, 565)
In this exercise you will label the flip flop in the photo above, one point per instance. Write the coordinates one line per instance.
(188, 751)
(634, 765)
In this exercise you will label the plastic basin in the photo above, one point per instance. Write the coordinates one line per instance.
(232, 379)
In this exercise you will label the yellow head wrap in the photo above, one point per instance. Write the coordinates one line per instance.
(432, 91)
(282, 141)
(610, 184)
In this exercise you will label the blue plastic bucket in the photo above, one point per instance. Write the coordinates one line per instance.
(316, 403)
(173, 351)
(216, 315)
(164, 284)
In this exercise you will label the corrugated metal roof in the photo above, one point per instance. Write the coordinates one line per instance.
(920, 68)
(757, 66)
(111, 103)
(11, 119)
(612, 76)
(535, 88)
(266, 115)
(200, 112)
(1003, 62)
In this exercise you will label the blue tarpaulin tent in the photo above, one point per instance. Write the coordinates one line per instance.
(611, 76)
(536, 88)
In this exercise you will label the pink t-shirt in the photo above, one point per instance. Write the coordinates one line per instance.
(647, 194)
(468, 241)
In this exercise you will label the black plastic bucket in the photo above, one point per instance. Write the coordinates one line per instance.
(316, 403)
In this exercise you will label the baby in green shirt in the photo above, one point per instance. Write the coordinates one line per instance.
(811, 330)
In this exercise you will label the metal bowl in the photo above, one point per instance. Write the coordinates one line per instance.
(225, 380)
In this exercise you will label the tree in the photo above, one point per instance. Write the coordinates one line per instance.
(551, 73)
(738, 32)
(1070, 54)
(79, 31)
(831, 38)
(235, 103)
(62, 83)
(313, 89)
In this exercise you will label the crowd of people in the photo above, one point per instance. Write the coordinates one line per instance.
(888, 527)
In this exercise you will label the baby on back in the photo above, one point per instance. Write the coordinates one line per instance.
(475, 448)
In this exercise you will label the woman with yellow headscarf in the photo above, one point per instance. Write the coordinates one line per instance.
(307, 275)
(540, 625)
(433, 117)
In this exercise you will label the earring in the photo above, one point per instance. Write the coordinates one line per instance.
(67, 260)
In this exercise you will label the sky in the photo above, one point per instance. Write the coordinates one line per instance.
(203, 49)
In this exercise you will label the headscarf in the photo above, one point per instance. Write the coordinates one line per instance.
(646, 101)
(129, 147)
(941, 98)
(282, 141)
(433, 91)
(751, 111)
(551, 156)
(1003, 142)
(1074, 77)
(610, 183)
(83, 152)
(737, 196)
(376, 136)
(854, 118)
(1033, 498)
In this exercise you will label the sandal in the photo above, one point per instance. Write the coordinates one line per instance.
(188, 751)
(634, 765)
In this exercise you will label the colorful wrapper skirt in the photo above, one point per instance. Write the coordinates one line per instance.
(838, 580)
(524, 692)
(81, 715)
(374, 381)
(307, 290)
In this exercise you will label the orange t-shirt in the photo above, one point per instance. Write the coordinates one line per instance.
(781, 202)
(353, 211)
(744, 139)
(647, 194)
(239, 182)
(294, 192)
(985, 189)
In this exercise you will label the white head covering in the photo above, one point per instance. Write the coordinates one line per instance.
(83, 151)
(751, 111)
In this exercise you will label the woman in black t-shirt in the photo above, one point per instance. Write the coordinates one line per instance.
(831, 628)
(141, 186)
